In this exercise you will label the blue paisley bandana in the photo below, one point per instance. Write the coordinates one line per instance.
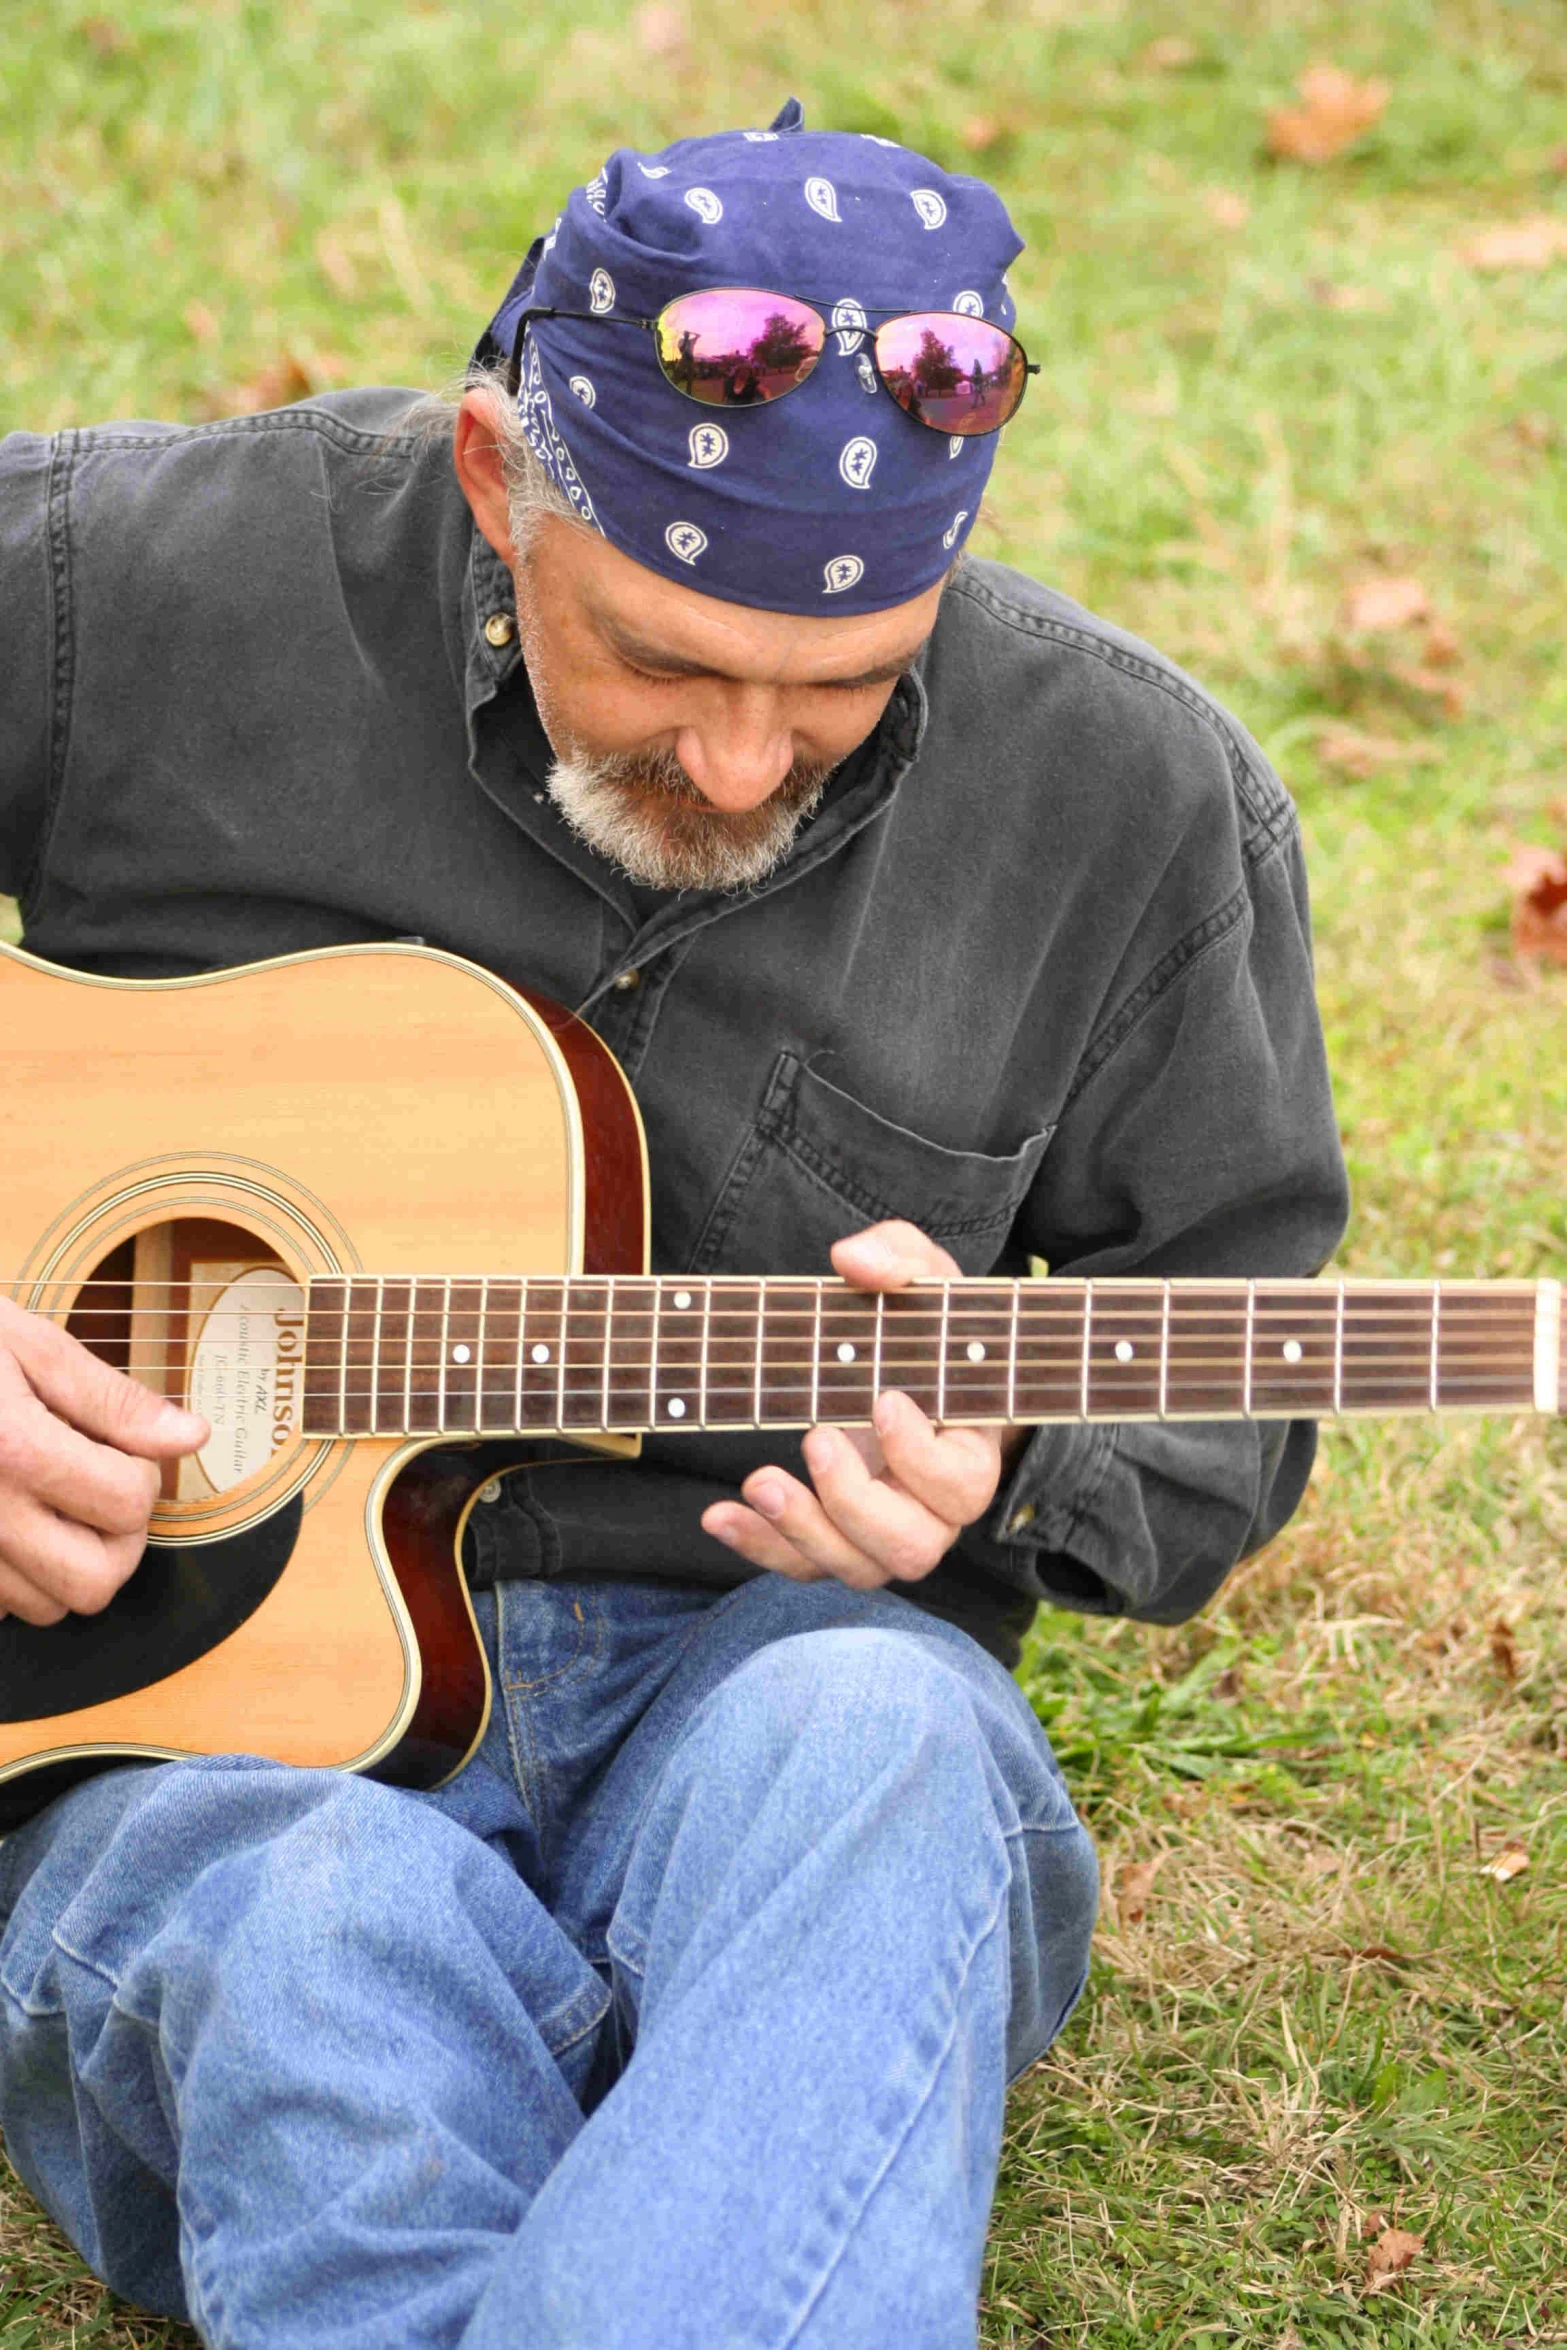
(832, 500)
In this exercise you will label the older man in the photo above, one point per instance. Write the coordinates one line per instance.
(937, 925)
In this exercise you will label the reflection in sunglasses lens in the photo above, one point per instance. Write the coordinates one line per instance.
(956, 374)
(736, 348)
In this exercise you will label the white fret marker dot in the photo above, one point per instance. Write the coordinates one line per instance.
(1124, 1350)
(1291, 1350)
(541, 1354)
(677, 1410)
(682, 1298)
(460, 1354)
(975, 1351)
(845, 1352)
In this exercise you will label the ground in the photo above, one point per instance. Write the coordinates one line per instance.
(1282, 401)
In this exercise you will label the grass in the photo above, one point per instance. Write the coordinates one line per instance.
(1263, 383)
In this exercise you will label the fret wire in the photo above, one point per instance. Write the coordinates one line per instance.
(1017, 1300)
(1251, 1325)
(1436, 1319)
(707, 1317)
(816, 1361)
(560, 1354)
(761, 1323)
(881, 1320)
(408, 1358)
(375, 1355)
(1338, 1353)
(522, 1326)
(1088, 1326)
(652, 1376)
(342, 1384)
(1164, 1355)
(609, 1347)
(446, 1316)
(478, 1362)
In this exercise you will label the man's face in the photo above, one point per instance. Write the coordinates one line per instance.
(692, 737)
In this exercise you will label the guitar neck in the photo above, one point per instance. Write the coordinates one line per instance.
(473, 1356)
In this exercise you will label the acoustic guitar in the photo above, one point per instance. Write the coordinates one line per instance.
(383, 1221)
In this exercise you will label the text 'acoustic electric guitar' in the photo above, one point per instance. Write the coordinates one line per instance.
(374, 1214)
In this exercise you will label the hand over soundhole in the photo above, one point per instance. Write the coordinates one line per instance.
(81, 1445)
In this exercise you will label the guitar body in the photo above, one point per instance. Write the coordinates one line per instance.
(388, 1109)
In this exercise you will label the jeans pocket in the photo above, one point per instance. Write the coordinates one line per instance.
(818, 1164)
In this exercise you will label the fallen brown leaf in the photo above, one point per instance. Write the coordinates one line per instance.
(660, 30)
(1365, 755)
(979, 132)
(1389, 2256)
(103, 35)
(1536, 431)
(1441, 649)
(1227, 208)
(1133, 1885)
(1385, 603)
(1453, 697)
(203, 322)
(1334, 112)
(1518, 244)
(1381, 1954)
(1168, 55)
(1556, 161)
(1538, 881)
(1504, 1649)
(1510, 1862)
(1337, 297)
(288, 378)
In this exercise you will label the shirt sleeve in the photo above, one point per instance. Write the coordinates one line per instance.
(26, 655)
(1200, 1140)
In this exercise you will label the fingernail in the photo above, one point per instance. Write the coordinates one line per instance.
(876, 1254)
(768, 1498)
(884, 1411)
(177, 1426)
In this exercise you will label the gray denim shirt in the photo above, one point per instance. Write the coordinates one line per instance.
(1036, 976)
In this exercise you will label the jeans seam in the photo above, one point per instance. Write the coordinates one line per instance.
(990, 1931)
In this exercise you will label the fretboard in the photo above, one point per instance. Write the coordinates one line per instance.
(483, 1357)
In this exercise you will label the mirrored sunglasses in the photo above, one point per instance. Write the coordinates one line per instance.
(743, 347)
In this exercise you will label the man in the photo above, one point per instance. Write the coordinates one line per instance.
(937, 925)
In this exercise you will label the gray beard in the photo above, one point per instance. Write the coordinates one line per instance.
(647, 816)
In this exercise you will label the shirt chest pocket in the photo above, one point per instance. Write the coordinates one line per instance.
(818, 1164)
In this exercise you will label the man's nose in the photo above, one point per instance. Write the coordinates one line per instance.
(738, 753)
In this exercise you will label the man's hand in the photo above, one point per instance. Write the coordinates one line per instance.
(78, 1480)
(890, 1500)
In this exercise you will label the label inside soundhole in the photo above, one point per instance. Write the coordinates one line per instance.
(247, 1370)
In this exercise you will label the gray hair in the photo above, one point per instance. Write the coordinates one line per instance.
(530, 492)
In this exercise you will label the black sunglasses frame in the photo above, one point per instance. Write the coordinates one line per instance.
(650, 326)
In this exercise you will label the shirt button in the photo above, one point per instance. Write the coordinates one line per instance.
(499, 629)
(1020, 1518)
(490, 1490)
(625, 981)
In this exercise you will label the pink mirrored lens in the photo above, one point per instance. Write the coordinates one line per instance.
(953, 373)
(738, 346)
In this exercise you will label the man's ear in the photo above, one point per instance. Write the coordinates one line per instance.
(477, 457)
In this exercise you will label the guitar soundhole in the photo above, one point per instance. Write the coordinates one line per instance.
(208, 1314)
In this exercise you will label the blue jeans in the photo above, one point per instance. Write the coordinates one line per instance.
(682, 2017)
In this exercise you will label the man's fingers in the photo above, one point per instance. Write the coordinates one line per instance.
(953, 1471)
(890, 1256)
(50, 1463)
(96, 1398)
(875, 1517)
(50, 1567)
(789, 1530)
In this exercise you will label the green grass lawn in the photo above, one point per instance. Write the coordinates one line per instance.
(1264, 384)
